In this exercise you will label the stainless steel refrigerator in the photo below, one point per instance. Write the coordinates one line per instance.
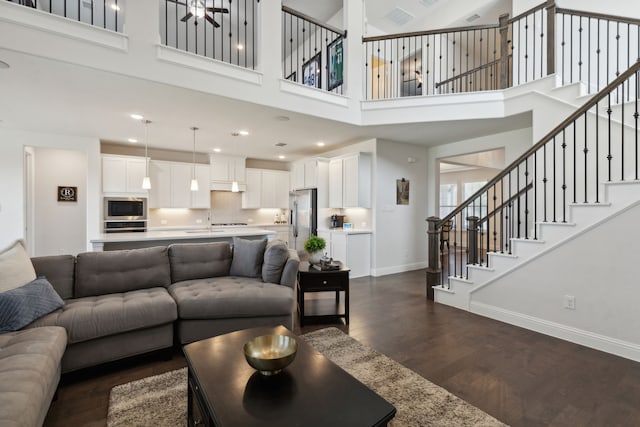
(303, 205)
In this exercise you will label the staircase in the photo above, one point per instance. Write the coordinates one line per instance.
(530, 247)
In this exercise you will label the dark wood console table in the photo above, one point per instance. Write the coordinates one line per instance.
(311, 279)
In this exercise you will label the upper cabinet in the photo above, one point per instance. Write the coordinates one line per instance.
(171, 185)
(350, 181)
(225, 170)
(307, 173)
(266, 189)
(123, 174)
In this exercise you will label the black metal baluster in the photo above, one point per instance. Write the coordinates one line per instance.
(609, 156)
(580, 50)
(533, 44)
(526, 199)
(166, 23)
(575, 182)
(544, 181)
(571, 48)
(519, 51)
(589, 56)
(585, 151)
(366, 71)
(510, 222)
(535, 195)
(635, 116)
(562, 49)
(502, 222)
(598, 61)
(495, 233)
(518, 191)
(526, 48)
(245, 34)
(555, 182)
(230, 32)
(622, 137)
(597, 176)
(564, 177)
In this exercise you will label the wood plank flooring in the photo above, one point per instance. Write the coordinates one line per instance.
(518, 376)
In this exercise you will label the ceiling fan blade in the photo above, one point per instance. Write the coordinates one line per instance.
(210, 19)
(186, 17)
(217, 9)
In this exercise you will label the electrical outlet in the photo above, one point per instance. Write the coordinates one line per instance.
(570, 302)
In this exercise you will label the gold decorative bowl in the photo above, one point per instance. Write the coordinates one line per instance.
(270, 354)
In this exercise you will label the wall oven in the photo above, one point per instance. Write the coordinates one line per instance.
(125, 214)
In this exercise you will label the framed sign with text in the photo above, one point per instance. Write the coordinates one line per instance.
(67, 194)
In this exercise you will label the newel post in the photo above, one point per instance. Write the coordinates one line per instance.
(503, 21)
(434, 270)
(551, 37)
(472, 239)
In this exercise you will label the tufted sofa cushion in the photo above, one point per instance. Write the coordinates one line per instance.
(95, 317)
(29, 374)
(231, 296)
(199, 260)
(99, 273)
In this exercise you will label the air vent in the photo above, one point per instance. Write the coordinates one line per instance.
(399, 16)
(472, 18)
(280, 144)
(428, 3)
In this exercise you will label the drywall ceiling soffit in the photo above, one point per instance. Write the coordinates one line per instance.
(321, 10)
(486, 159)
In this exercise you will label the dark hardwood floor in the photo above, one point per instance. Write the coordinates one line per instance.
(520, 377)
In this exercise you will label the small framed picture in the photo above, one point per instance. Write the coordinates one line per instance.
(312, 72)
(335, 57)
(402, 191)
(67, 194)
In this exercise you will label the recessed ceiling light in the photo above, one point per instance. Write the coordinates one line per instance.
(320, 144)
(132, 140)
(4, 65)
(281, 157)
(282, 118)
(136, 117)
(243, 132)
(115, 6)
(280, 144)
(217, 150)
(240, 47)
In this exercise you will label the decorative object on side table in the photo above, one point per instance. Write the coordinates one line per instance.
(270, 354)
(314, 247)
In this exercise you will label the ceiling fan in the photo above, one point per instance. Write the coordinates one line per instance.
(199, 9)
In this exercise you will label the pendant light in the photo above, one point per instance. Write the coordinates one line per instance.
(194, 181)
(146, 182)
(234, 187)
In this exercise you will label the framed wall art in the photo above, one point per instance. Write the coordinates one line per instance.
(312, 72)
(335, 61)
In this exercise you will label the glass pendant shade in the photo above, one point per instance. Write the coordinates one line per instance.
(194, 185)
(234, 187)
(146, 183)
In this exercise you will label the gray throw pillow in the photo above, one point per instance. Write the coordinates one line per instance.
(23, 305)
(247, 257)
(275, 257)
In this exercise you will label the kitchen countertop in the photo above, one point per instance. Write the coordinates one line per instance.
(188, 234)
(349, 231)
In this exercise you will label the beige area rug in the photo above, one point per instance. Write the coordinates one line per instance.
(161, 400)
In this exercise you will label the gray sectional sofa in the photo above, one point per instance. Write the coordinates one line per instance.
(123, 303)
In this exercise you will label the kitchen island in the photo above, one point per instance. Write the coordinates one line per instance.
(115, 241)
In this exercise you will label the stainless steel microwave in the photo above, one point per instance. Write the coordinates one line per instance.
(125, 208)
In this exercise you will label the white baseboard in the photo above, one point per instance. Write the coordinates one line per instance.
(615, 346)
(377, 272)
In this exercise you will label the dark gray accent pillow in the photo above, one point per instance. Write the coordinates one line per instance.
(59, 271)
(275, 257)
(23, 305)
(247, 257)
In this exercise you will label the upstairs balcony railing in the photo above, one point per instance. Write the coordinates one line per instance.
(312, 52)
(106, 14)
(224, 30)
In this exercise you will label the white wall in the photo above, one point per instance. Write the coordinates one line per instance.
(12, 200)
(59, 227)
(598, 268)
(514, 143)
(400, 230)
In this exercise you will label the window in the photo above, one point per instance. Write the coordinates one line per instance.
(448, 199)
(479, 208)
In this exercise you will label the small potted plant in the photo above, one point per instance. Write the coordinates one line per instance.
(314, 247)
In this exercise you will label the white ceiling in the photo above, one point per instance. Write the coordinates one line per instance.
(62, 98)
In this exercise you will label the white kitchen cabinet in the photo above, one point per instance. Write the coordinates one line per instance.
(225, 170)
(171, 185)
(123, 174)
(266, 189)
(335, 183)
(353, 249)
(307, 173)
(350, 181)
(282, 231)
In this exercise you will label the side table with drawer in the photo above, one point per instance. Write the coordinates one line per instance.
(312, 279)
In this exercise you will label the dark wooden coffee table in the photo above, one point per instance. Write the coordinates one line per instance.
(313, 391)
